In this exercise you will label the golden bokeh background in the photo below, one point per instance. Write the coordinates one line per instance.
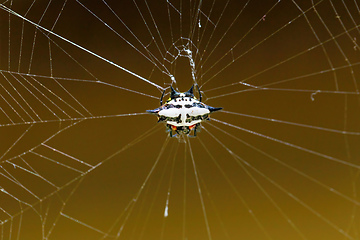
(80, 158)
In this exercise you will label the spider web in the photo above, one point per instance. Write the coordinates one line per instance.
(80, 158)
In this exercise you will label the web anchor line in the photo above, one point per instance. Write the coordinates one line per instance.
(78, 46)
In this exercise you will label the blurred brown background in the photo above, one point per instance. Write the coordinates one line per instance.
(80, 159)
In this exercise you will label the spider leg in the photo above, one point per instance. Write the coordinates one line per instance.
(171, 129)
(188, 131)
(193, 130)
(173, 135)
(162, 97)
(197, 129)
(199, 92)
(168, 128)
(161, 119)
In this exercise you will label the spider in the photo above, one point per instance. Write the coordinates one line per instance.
(182, 112)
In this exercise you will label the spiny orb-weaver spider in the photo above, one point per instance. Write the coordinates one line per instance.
(182, 112)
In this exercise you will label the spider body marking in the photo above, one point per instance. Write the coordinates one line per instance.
(182, 112)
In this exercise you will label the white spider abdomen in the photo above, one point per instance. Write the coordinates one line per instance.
(183, 111)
